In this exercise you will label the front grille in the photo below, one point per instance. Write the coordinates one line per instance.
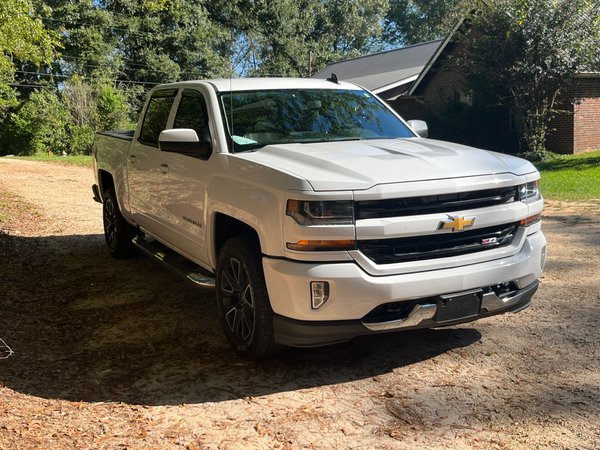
(412, 206)
(387, 251)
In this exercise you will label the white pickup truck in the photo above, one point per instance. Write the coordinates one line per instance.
(318, 214)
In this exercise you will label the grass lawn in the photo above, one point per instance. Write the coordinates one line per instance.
(571, 177)
(71, 160)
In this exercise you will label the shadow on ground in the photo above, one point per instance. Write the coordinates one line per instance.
(85, 327)
(573, 164)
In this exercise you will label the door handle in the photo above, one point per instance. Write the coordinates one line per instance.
(131, 158)
(164, 168)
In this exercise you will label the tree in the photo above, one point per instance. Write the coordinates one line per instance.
(283, 37)
(413, 21)
(94, 106)
(176, 41)
(523, 53)
(87, 38)
(23, 37)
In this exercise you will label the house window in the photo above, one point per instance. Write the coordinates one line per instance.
(464, 97)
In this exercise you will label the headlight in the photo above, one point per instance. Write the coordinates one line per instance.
(530, 192)
(321, 212)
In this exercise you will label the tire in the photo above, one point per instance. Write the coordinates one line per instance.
(117, 232)
(242, 299)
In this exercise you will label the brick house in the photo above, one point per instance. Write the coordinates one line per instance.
(578, 131)
(420, 82)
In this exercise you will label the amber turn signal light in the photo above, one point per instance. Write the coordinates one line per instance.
(531, 220)
(306, 245)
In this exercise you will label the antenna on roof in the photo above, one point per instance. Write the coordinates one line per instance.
(333, 78)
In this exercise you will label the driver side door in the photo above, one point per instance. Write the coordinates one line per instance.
(181, 187)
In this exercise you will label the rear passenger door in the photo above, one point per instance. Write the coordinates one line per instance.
(183, 183)
(143, 161)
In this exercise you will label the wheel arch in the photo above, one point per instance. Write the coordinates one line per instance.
(105, 182)
(226, 227)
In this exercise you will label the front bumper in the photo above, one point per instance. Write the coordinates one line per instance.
(298, 333)
(354, 293)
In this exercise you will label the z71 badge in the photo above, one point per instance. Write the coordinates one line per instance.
(488, 241)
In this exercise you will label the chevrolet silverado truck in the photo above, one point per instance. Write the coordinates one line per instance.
(316, 213)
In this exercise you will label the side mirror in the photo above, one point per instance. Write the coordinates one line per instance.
(419, 127)
(184, 141)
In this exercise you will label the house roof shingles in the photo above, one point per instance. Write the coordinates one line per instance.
(385, 70)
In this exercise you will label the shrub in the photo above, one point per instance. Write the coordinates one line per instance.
(40, 125)
(80, 140)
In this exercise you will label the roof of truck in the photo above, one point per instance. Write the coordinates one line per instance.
(253, 84)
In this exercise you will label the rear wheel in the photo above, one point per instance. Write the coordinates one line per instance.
(242, 299)
(117, 232)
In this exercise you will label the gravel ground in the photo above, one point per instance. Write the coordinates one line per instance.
(124, 354)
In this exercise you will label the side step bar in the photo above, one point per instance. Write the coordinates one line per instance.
(174, 262)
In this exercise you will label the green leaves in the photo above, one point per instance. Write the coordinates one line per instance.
(22, 37)
(413, 21)
(40, 124)
(285, 37)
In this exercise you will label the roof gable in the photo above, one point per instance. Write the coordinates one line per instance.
(385, 70)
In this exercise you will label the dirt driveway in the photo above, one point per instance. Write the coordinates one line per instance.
(115, 354)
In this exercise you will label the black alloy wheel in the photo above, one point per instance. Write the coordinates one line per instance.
(242, 299)
(117, 232)
(237, 300)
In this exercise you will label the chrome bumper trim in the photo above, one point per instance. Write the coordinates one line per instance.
(491, 302)
(417, 315)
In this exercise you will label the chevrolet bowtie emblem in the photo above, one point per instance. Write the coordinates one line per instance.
(456, 223)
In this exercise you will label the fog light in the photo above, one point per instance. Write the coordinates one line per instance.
(319, 293)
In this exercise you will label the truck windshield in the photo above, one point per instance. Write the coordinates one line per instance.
(258, 118)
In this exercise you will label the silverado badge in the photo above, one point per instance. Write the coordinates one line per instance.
(456, 223)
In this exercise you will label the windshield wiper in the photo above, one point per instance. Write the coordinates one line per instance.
(336, 139)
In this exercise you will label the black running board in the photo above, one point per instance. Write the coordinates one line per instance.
(175, 262)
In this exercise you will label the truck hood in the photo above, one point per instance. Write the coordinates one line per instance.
(359, 165)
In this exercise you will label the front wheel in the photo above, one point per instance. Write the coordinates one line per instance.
(117, 232)
(242, 299)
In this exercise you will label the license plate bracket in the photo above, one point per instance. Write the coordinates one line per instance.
(461, 305)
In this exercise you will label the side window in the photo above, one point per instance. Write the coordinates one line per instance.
(156, 116)
(192, 114)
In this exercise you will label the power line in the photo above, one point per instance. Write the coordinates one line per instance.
(42, 74)
(88, 78)
(79, 58)
(110, 27)
(126, 64)
(39, 86)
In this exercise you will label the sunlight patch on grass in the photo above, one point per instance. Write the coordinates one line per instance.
(571, 177)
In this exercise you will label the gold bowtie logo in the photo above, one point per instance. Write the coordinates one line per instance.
(456, 223)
